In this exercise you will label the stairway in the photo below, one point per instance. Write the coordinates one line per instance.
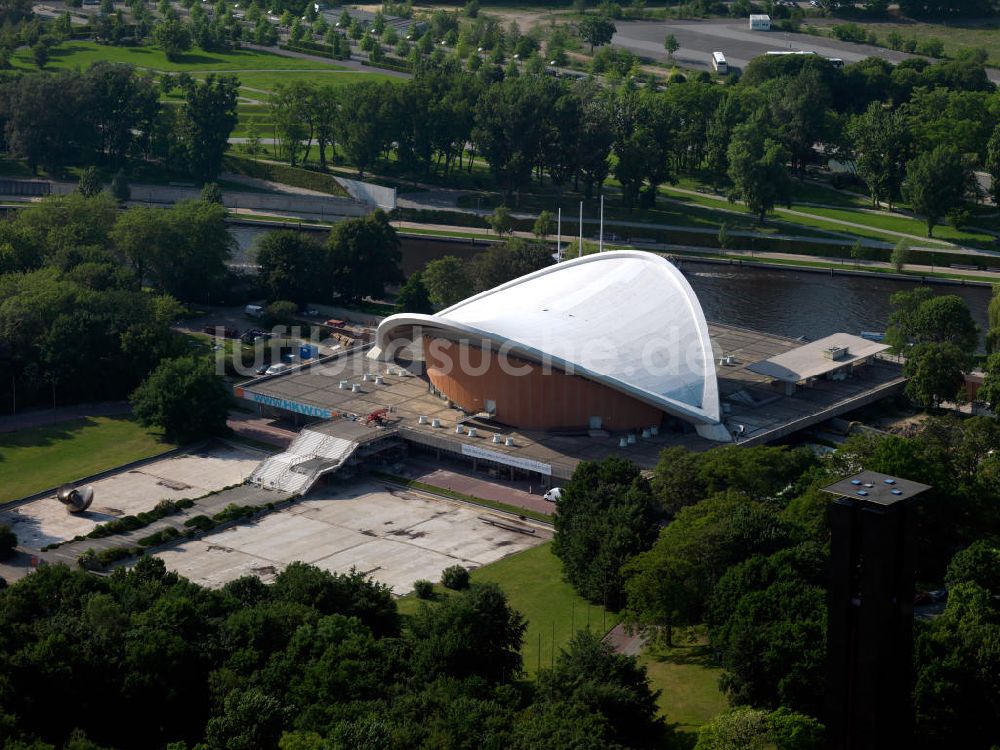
(311, 455)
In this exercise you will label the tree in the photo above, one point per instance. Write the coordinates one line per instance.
(596, 30)
(173, 37)
(502, 263)
(8, 541)
(90, 183)
(473, 633)
(757, 169)
(936, 183)
(120, 189)
(185, 398)
(543, 225)
(363, 257)
(671, 45)
(935, 372)
(501, 221)
(206, 120)
(881, 141)
(211, 193)
(291, 266)
(745, 728)
(920, 317)
(992, 164)
(588, 673)
(607, 515)
(900, 255)
(250, 719)
(413, 296)
(40, 54)
(723, 236)
(447, 281)
(989, 392)
(979, 563)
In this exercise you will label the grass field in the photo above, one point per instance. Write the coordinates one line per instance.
(955, 35)
(689, 681)
(534, 586)
(81, 54)
(35, 459)
(267, 81)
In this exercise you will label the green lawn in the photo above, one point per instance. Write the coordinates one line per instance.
(35, 459)
(534, 586)
(956, 35)
(323, 76)
(689, 681)
(82, 54)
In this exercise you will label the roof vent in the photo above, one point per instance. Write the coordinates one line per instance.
(356, 388)
(623, 443)
(836, 353)
(379, 380)
(631, 438)
(509, 442)
(654, 430)
(646, 433)
(344, 385)
(435, 422)
(497, 438)
(459, 430)
(472, 432)
(366, 377)
(422, 420)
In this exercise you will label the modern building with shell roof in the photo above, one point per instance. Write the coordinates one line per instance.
(610, 341)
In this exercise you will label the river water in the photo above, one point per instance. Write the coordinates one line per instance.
(788, 303)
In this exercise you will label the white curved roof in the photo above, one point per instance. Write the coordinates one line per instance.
(627, 319)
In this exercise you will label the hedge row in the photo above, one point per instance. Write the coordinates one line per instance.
(313, 48)
(390, 64)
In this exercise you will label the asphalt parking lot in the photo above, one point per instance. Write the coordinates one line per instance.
(699, 39)
(397, 537)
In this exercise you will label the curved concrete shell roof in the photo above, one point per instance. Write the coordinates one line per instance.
(626, 319)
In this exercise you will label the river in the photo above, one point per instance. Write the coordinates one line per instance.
(788, 303)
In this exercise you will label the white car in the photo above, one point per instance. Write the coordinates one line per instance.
(277, 369)
(554, 495)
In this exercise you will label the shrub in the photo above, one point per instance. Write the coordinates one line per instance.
(424, 589)
(202, 523)
(456, 577)
(234, 512)
(91, 560)
(164, 535)
(8, 541)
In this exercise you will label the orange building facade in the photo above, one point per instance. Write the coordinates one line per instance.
(522, 394)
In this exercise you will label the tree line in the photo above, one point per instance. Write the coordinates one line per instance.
(110, 113)
(737, 540)
(917, 125)
(313, 661)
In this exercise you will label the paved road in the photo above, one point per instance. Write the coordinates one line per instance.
(699, 39)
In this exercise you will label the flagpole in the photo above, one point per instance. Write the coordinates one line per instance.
(559, 237)
(600, 242)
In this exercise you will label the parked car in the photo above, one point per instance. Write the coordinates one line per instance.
(554, 495)
(277, 369)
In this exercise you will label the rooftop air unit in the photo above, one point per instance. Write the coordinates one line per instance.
(836, 353)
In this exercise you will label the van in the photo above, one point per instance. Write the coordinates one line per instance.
(254, 311)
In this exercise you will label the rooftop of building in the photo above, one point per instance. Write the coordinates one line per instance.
(755, 407)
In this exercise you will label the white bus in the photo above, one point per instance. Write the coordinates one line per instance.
(719, 63)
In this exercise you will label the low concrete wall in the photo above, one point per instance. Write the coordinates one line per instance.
(366, 192)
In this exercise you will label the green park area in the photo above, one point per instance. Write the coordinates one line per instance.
(81, 54)
(534, 585)
(37, 458)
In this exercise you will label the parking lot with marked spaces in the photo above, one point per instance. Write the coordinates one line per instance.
(397, 537)
(186, 475)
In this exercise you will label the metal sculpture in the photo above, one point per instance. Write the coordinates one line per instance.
(75, 500)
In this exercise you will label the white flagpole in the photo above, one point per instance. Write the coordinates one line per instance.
(559, 236)
(600, 242)
(580, 253)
